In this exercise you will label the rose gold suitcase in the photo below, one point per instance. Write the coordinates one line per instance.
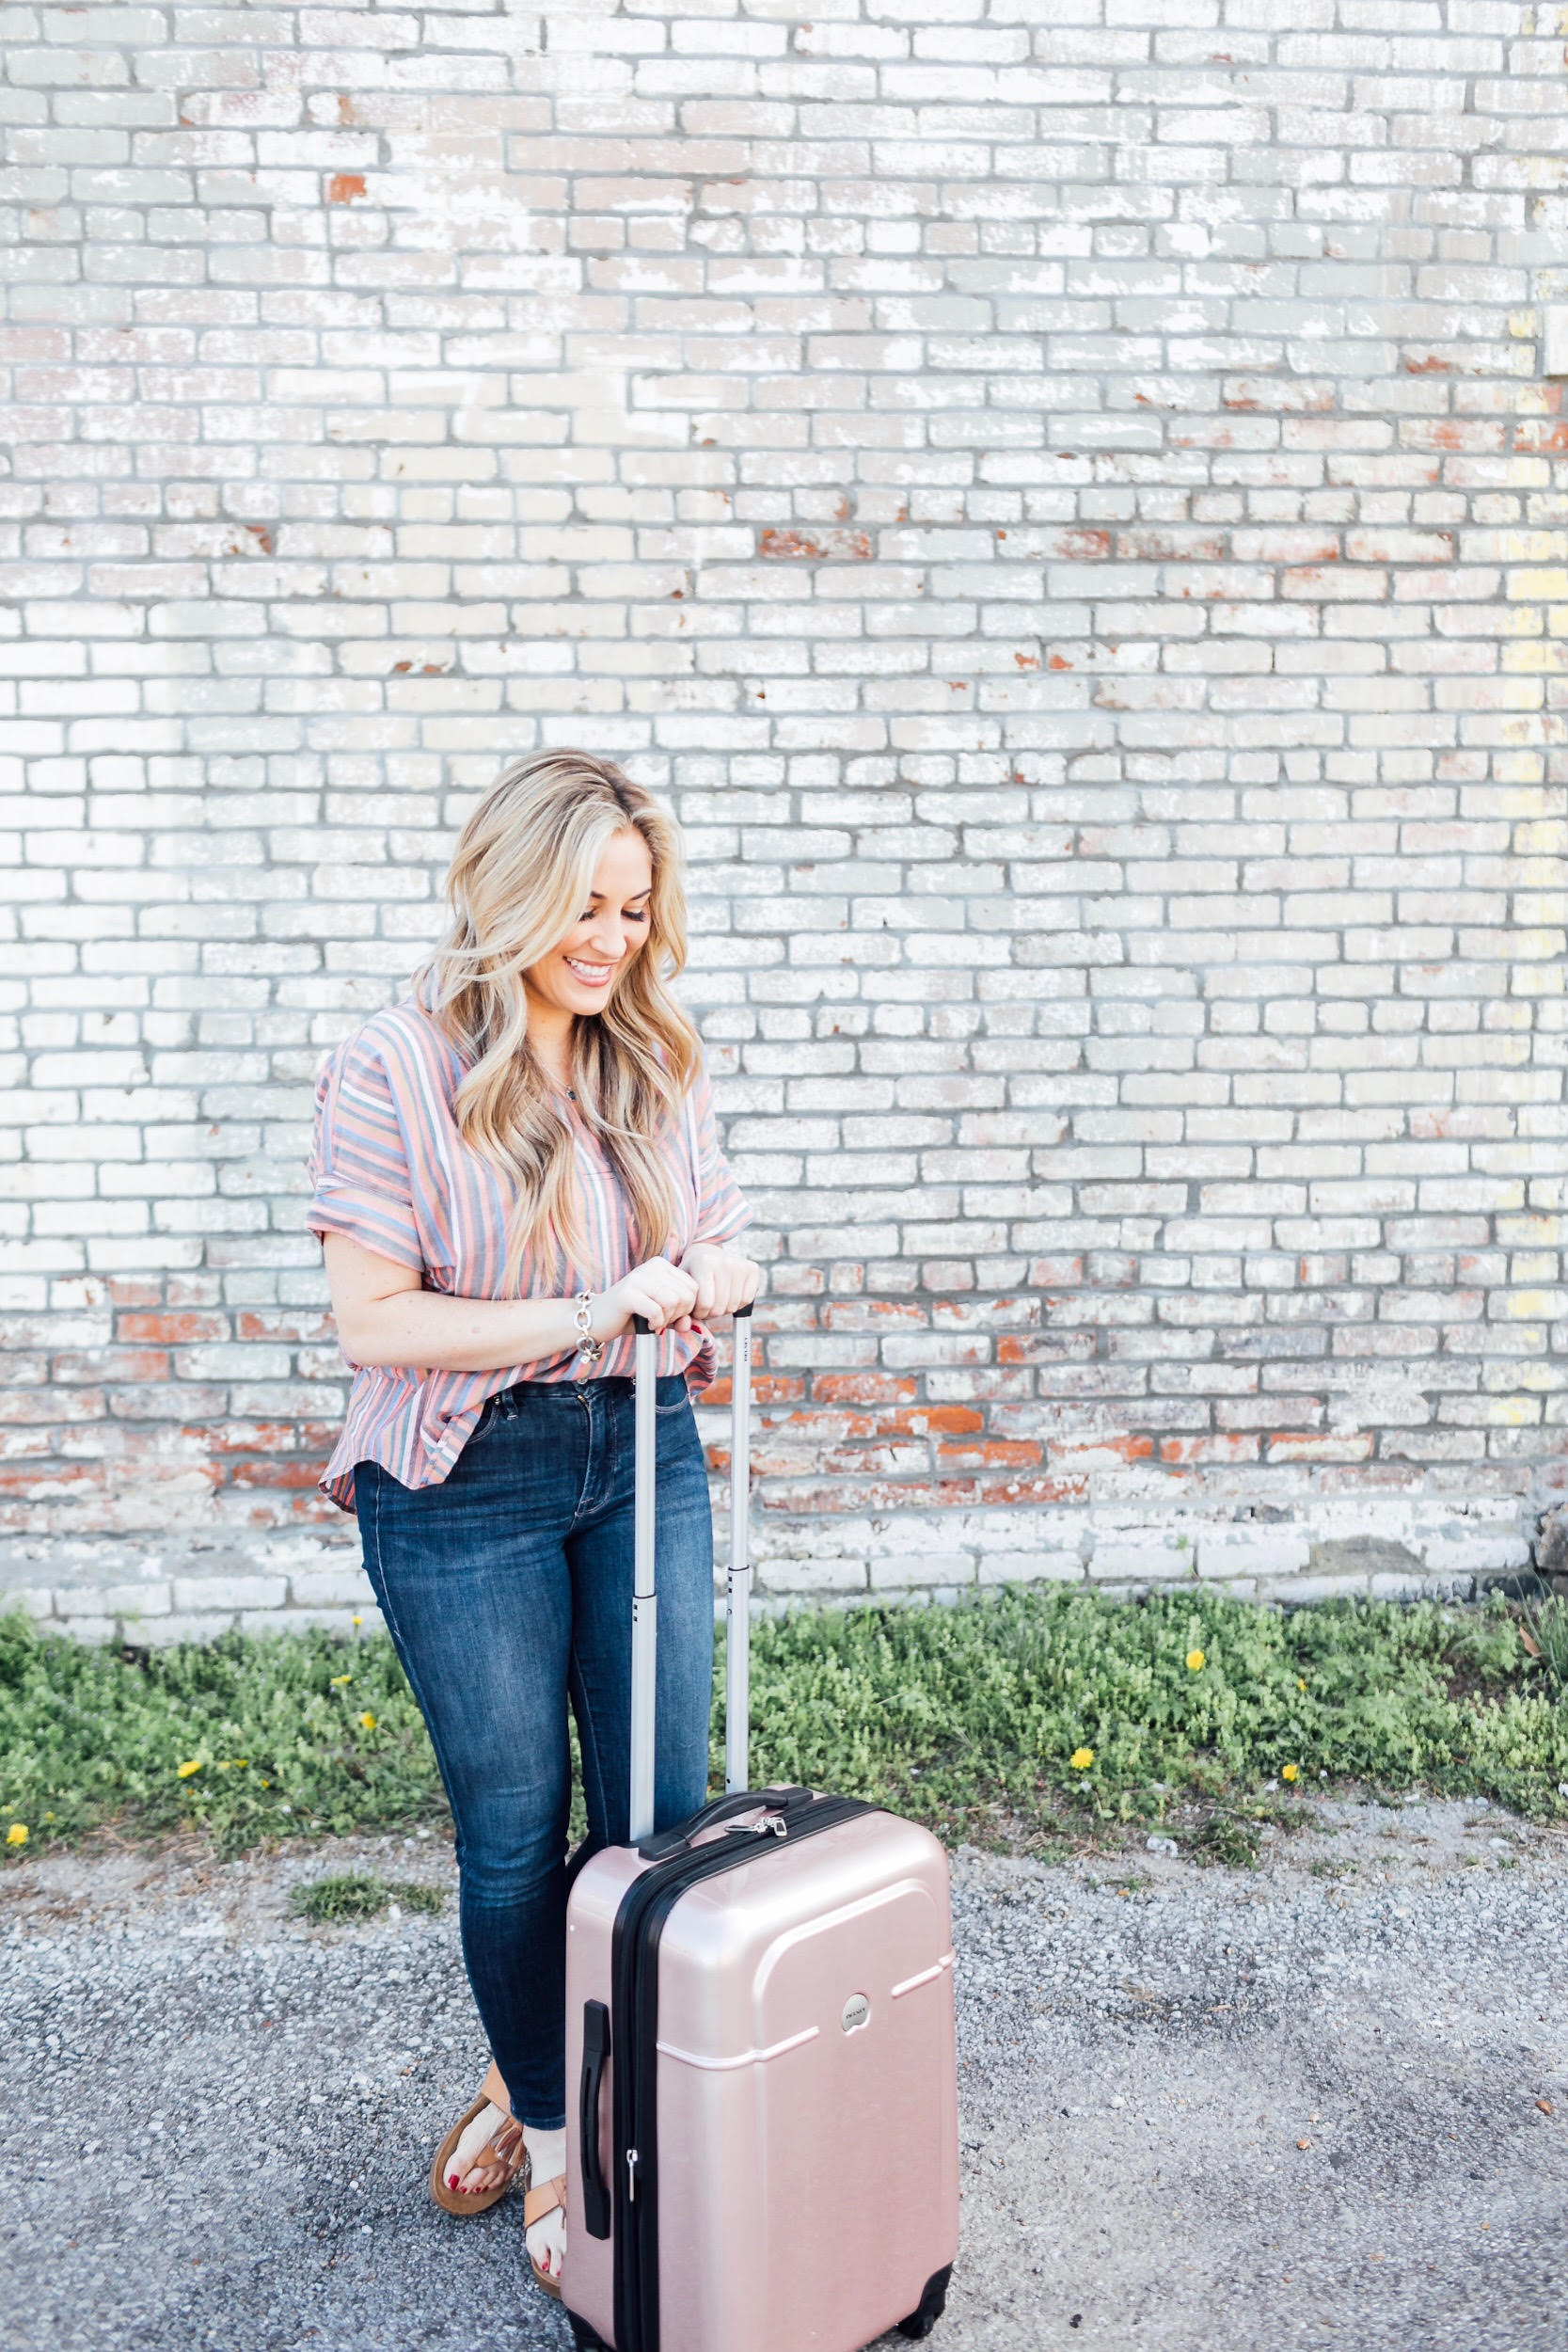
(761, 2144)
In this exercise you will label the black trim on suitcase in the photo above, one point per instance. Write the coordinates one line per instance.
(634, 2024)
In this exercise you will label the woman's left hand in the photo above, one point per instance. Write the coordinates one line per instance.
(725, 1280)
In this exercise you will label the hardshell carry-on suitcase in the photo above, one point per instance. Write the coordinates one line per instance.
(762, 2150)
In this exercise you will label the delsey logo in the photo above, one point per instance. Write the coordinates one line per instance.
(857, 2011)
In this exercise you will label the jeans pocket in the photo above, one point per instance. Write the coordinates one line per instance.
(489, 1413)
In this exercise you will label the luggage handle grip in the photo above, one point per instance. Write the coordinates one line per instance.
(639, 1323)
(771, 1800)
(595, 2050)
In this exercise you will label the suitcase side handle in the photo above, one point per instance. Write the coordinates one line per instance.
(595, 2050)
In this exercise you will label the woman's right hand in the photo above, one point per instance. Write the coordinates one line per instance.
(658, 1290)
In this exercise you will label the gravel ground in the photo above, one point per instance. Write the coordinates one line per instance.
(1204, 2110)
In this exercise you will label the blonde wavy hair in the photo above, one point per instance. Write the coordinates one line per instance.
(521, 874)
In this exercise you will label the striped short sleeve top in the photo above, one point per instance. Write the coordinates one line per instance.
(391, 1170)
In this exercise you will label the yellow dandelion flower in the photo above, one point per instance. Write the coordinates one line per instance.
(1301, 1682)
(339, 1681)
(185, 1770)
(1196, 1660)
(17, 1833)
(1080, 1759)
(358, 1620)
(1291, 1771)
(367, 1720)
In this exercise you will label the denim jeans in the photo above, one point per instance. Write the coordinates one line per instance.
(507, 1590)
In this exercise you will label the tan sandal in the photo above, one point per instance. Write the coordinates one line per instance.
(536, 2204)
(506, 2147)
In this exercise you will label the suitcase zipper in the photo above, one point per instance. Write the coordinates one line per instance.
(634, 1995)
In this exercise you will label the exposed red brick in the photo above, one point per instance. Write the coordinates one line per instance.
(864, 1388)
(1293, 1446)
(1129, 1446)
(274, 1476)
(993, 1453)
(298, 1326)
(1083, 545)
(135, 1290)
(170, 1329)
(815, 546)
(1215, 1448)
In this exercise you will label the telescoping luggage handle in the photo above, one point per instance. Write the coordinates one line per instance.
(645, 1605)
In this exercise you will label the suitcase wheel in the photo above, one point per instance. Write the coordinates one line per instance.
(932, 2304)
(584, 2337)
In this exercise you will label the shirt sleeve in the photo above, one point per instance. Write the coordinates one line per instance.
(721, 1211)
(358, 1162)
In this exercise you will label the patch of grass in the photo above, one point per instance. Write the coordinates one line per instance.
(1230, 1834)
(330, 1903)
(1543, 1632)
(934, 1711)
(247, 1738)
(968, 1717)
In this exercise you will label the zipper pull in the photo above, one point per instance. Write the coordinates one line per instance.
(633, 2160)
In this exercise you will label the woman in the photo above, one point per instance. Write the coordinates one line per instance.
(509, 1166)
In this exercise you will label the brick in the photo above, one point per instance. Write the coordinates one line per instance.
(1272, 1553)
(344, 1621)
(1106, 647)
(95, 1629)
(1024, 1567)
(229, 1592)
(134, 1603)
(345, 1587)
(184, 1625)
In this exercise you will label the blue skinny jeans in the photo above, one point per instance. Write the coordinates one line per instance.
(507, 1590)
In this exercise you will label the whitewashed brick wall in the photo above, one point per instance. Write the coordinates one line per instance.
(1063, 496)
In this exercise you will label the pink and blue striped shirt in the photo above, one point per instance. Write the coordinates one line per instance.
(391, 1170)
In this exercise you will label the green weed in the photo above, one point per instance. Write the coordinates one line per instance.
(934, 1709)
(1229, 1835)
(1012, 1718)
(246, 1739)
(331, 1901)
(1543, 1632)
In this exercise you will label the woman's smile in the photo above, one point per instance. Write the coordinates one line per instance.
(576, 977)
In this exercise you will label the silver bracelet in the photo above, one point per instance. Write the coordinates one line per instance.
(589, 1348)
